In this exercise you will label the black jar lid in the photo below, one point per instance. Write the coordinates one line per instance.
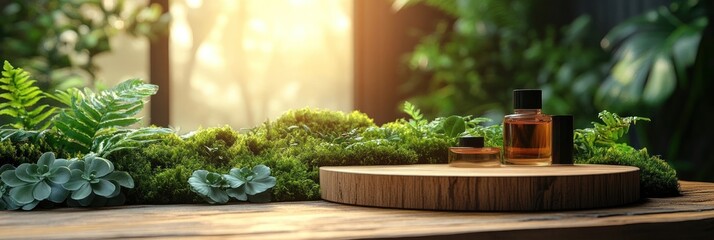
(471, 141)
(527, 99)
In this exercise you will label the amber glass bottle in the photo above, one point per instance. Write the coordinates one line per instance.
(527, 133)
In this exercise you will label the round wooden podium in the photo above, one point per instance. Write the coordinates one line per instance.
(506, 188)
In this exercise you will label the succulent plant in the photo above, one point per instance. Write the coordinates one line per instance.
(209, 186)
(95, 176)
(6, 203)
(242, 184)
(245, 183)
(31, 183)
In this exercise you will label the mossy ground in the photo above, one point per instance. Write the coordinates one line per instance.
(294, 146)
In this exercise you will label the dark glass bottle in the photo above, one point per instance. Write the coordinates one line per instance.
(527, 133)
(472, 153)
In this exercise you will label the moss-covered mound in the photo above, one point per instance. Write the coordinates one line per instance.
(295, 145)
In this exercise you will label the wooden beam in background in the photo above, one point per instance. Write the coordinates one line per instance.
(381, 38)
(159, 75)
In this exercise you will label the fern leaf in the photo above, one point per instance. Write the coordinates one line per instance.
(93, 120)
(21, 96)
(412, 111)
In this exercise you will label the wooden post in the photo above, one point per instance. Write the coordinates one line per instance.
(381, 38)
(159, 74)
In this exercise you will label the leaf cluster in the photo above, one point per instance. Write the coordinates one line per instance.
(92, 125)
(242, 184)
(55, 179)
(22, 97)
(91, 122)
(604, 134)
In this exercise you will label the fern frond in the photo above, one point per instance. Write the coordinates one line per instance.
(127, 139)
(21, 97)
(412, 111)
(92, 117)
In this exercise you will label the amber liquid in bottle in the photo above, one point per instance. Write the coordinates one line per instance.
(527, 138)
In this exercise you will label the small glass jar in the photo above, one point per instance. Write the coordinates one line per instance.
(472, 153)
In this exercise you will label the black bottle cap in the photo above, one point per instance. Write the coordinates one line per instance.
(527, 99)
(470, 141)
(562, 139)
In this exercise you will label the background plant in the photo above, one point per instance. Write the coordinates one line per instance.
(471, 66)
(655, 64)
(59, 40)
(22, 95)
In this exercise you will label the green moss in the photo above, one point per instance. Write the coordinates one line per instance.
(657, 178)
(296, 145)
(216, 146)
(322, 122)
(294, 181)
(16, 153)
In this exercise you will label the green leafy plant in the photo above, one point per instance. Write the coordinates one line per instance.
(91, 122)
(22, 95)
(603, 134)
(242, 184)
(652, 53)
(471, 64)
(59, 40)
(32, 183)
(95, 176)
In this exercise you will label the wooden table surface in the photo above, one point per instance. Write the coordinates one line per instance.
(690, 216)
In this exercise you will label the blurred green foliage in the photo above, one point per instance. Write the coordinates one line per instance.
(647, 65)
(471, 66)
(58, 40)
(651, 54)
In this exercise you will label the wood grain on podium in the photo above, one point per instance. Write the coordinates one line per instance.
(440, 187)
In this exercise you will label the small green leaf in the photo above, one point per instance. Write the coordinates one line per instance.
(60, 175)
(75, 182)
(82, 192)
(46, 159)
(233, 181)
(453, 126)
(103, 188)
(10, 179)
(30, 206)
(218, 195)
(100, 166)
(259, 185)
(122, 178)
(41, 191)
(237, 193)
(22, 194)
(58, 194)
(261, 171)
(22, 172)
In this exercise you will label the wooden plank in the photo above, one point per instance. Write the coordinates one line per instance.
(690, 216)
(510, 188)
